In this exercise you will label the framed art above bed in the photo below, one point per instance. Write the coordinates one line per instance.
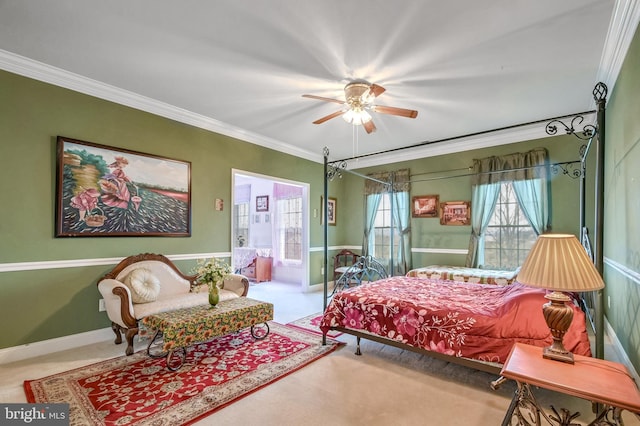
(455, 213)
(424, 206)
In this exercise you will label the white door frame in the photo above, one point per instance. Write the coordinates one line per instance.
(305, 217)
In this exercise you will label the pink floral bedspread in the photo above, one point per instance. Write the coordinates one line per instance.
(455, 318)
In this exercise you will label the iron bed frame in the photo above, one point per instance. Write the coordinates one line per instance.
(593, 301)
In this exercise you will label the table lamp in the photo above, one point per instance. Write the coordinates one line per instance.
(557, 262)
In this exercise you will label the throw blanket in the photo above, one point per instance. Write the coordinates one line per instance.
(455, 318)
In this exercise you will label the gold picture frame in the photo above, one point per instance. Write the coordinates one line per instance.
(456, 213)
(424, 206)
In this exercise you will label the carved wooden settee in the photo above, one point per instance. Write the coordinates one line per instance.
(147, 284)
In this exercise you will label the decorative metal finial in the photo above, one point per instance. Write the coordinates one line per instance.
(600, 92)
(325, 151)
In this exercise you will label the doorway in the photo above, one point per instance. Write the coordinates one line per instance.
(270, 228)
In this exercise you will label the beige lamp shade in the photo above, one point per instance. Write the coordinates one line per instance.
(559, 262)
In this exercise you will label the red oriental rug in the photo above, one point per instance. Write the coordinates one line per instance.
(139, 390)
(312, 323)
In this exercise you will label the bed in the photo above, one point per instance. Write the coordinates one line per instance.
(468, 323)
(464, 274)
(363, 305)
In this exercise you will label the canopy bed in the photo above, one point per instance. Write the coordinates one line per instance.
(383, 321)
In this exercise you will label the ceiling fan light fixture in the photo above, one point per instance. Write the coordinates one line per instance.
(360, 97)
(357, 118)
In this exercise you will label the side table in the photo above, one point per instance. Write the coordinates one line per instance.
(599, 381)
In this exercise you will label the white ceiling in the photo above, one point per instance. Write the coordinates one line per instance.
(240, 67)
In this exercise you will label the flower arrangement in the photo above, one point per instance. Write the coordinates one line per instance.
(211, 271)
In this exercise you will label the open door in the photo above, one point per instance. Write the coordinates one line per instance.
(270, 228)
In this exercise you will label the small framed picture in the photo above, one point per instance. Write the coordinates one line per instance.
(455, 213)
(424, 206)
(331, 210)
(262, 203)
(267, 218)
(256, 218)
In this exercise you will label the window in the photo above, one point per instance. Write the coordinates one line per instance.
(382, 232)
(509, 236)
(290, 229)
(241, 231)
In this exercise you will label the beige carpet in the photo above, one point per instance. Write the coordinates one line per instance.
(385, 386)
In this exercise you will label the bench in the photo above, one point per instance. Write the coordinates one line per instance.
(154, 273)
(182, 328)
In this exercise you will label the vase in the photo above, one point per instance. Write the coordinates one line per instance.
(214, 296)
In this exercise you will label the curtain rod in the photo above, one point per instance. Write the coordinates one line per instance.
(563, 163)
(559, 164)
(425, 143)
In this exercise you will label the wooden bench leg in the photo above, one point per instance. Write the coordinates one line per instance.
(116, 329)
(130, 334)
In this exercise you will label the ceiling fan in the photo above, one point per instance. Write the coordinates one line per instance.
(359, 99)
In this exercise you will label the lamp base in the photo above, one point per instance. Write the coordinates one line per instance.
(550, 353)
(558, 316)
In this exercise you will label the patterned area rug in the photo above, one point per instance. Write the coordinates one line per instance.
(139, 390)
(312, 323)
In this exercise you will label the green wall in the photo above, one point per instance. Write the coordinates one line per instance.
(49, 303)
(448, 177)
(622, 206)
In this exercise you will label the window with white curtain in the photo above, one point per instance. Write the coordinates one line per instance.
(384, 233)
(290, 228)
(509, 235)
(241, 223)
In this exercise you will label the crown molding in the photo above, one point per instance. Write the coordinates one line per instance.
(36, 70)
(622, 28)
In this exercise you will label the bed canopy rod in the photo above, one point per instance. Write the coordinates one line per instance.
(549, 128)
(335, 170)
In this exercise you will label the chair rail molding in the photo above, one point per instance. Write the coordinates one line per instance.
(77, 263)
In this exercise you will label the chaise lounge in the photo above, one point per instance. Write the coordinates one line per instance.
(147, 284)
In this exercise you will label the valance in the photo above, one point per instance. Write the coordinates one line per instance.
(283, 191)
(518, 166)
(401, 182)
(242, 194)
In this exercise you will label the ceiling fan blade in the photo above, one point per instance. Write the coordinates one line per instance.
(377, 90)
(369, 126)
(328, 117)
(409, 113)
(320, 98)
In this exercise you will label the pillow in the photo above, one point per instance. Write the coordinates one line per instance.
(144, 286)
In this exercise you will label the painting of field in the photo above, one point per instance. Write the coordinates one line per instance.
(105, 191)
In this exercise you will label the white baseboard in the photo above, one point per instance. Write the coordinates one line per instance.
(623, 358)
(31, 350)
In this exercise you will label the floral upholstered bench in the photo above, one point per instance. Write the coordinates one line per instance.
(182, 328)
